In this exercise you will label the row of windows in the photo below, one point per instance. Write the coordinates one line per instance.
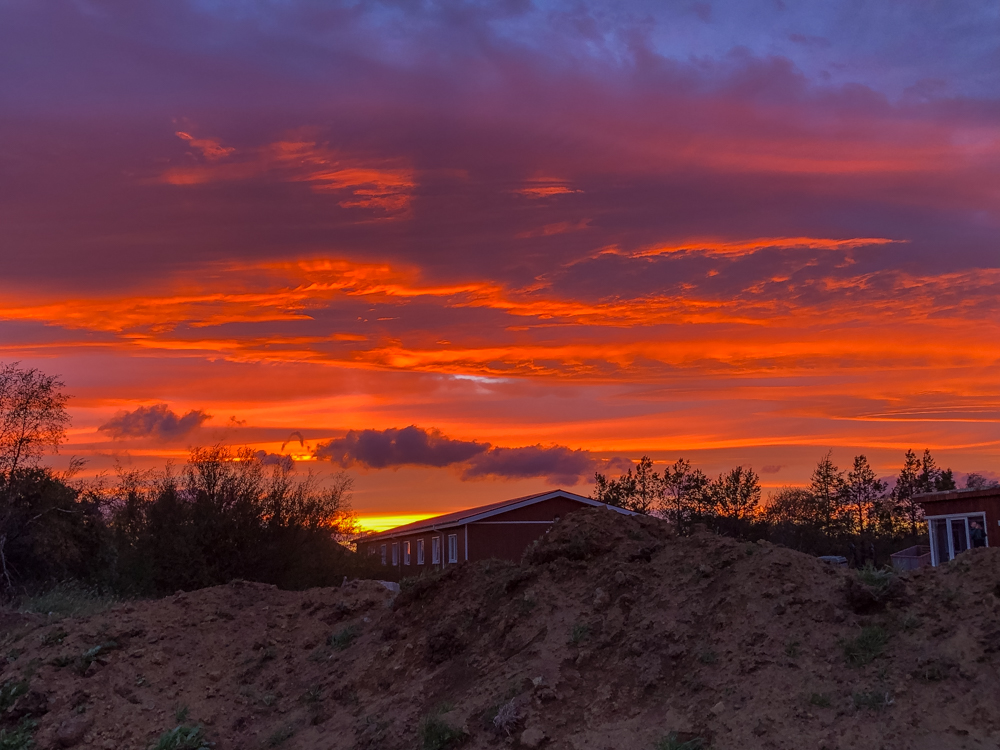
(435, 551)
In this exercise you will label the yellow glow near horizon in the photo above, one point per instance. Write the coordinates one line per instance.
(383, 523)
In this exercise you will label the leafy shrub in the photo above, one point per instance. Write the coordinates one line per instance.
(866, 647)
(20, 738)
(344, 637)
(680, 741)
(437, 734)
(183, 738)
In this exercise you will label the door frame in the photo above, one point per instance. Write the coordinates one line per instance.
(951, 541)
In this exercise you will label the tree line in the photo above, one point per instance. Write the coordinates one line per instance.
(225, 514)
(841, 510)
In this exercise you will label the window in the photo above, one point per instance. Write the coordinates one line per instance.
(952, 535)
(436, 550)
(453, 548)
(395, 553)
(406, 553)
(420, 552)
(383, 554)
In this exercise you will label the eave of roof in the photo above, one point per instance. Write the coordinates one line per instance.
(934, 497)
(471, 515)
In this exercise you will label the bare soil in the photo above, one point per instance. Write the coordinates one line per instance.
(612, 633)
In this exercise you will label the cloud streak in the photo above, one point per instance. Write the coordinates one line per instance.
(157, 422)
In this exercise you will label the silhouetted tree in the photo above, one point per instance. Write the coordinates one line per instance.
(827, 488)
(977, 481)
(736, 494)
(683, 494)
(639, 492)
(907, 485)
(863, 492)
(792, 505)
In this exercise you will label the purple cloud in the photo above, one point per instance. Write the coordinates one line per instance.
(158, 422)
(557, 464)
(410, 446)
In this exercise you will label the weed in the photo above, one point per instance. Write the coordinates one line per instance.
(54, 637)
(13, 655)
(581, 632)
(183, 738)
(90, 655)
(267, 654)
(313, 696)
(911, 623)
(930, 672)
(793, 649)
(878, 579)
(507, 718)
(280, 735)
(10, 692)
(181, 714)
(822, 700)
(20, 738)
(437, 734)
(68, 600)
(269, 699)
(344, 637)
(708, 657)
(61, 661)
(873, 700)
(867, 647)
(677, 741)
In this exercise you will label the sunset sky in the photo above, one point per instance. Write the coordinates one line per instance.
(469, 251)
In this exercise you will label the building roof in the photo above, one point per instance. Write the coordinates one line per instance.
(933, 497)
(471, 515)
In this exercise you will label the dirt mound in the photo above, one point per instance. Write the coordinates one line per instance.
(612, 633)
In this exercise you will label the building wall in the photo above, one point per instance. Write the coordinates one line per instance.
(504, 536)
(988, 504)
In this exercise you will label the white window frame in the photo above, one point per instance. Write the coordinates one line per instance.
(406, 553)
(420, 552)
(395, 554)
(435, 550)
(951, 540)
(453, 548)
(383, 554)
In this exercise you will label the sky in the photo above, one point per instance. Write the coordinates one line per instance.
(468, 251)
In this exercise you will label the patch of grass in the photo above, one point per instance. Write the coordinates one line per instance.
(181, 714)
(183, 738)
(677, 741)
(54, 637)
(866, 647)
(821, 700)
(708, 657)
(90, 655)
(793, 649)
(873, 700)
(68, 600)
(437, 734)
(10, 691)
(280, 735)
(19, 738)
(878, 579)
(344, 637)
(579, 634)
(507, 717)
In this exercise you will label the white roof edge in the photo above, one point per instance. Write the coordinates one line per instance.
(507, 508)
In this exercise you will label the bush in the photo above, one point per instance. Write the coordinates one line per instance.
(183, 738)
(437, 734)
(680, 741)
(866, 647)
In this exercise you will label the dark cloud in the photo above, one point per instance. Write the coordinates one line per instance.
(771, 468)
(415, 446)
(557, 464)
(410, 446)
(158, 422)
(273, 459)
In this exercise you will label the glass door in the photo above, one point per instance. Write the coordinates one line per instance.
(959, 535)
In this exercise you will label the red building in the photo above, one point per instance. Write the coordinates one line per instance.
(501, 530)
(960, 519)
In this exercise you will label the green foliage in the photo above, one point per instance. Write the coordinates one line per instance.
(580, 633)
(793, 649)
(674, 741)
(90, 655)
(821, 700)
(344, 637)
(877, 579)
(19, 738)
(10, 691)
(280, 735)
(866, 647)
(873, 700)
(181, 714)
(183, 738)
(437, 734)
(708, 656)
(68, 599)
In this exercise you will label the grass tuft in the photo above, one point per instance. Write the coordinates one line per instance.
(867, 647)
(19, 738)
(183, 738)
(674, 741)
(437, 734)
(873, 700)
(344, 637)
(581, 632)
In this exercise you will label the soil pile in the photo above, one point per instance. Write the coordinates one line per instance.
(613, 633)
